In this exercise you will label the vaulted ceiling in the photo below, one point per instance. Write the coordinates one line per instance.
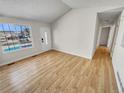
(48, 10)
(39, 10)
(92, 3)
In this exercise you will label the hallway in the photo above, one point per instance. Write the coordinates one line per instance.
(104, 78)
(57, 72)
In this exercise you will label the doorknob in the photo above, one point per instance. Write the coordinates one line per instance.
(42, 40)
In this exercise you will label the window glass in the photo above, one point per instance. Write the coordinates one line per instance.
(15, 37)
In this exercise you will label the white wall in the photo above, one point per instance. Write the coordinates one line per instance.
(75, 32)
(96, 37)
(118, 55)
(37, 48)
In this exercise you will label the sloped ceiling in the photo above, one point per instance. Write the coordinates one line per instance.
(39, 10)
(92, 3)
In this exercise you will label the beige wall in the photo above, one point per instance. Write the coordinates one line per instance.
(37, 45)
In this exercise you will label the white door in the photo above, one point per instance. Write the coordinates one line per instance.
(45, 38)
(104, 36)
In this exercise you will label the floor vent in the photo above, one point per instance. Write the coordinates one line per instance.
(11, 64)
(34, 55)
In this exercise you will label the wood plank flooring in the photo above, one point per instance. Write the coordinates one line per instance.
(57, 72)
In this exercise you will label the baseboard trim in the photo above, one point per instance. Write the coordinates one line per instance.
(71, 54)
(21, 59)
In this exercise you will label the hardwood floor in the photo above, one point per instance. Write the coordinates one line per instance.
(57, 72)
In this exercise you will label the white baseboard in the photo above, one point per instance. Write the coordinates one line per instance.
(72, 54)
(9, 62)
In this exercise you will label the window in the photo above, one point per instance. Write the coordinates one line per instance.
(15, 37)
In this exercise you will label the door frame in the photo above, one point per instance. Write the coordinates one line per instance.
(100, 32)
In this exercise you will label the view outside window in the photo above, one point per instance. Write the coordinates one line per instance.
(15, 37)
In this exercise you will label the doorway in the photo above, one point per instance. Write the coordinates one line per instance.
(104, 36)
(106, 29)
